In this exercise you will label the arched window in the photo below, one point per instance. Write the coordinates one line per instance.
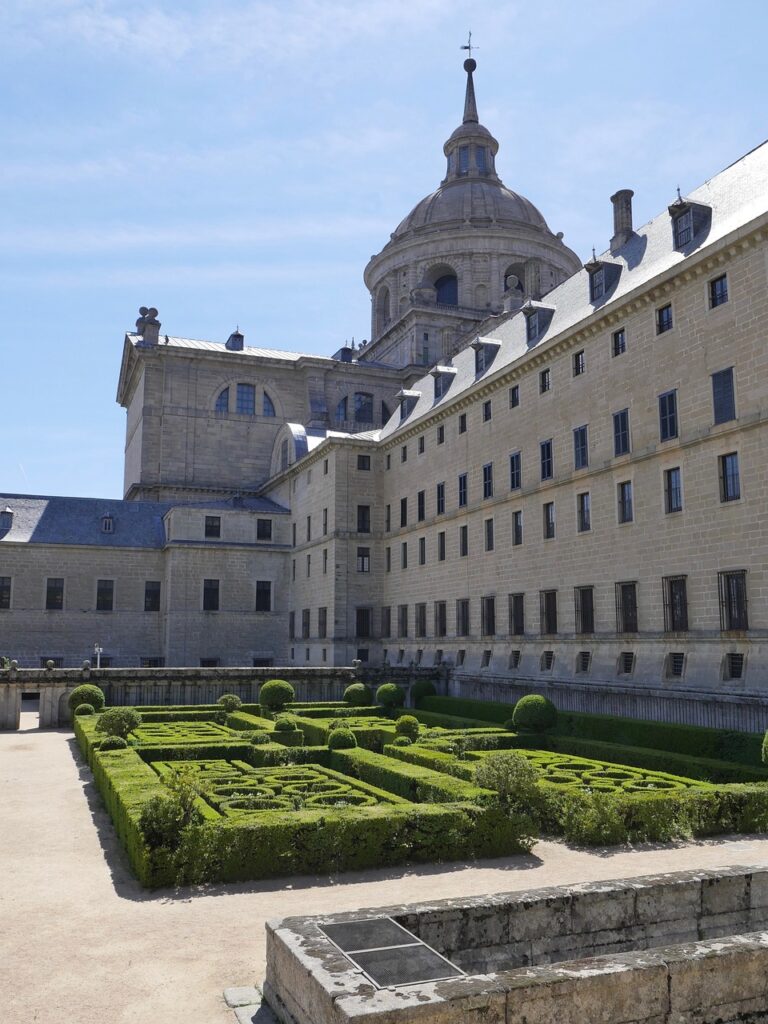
(383, 309)
(385, 413)
(269, 406)
(246, 399)
(363, 407)
(341, 410)
(447, 288)
(222, 402)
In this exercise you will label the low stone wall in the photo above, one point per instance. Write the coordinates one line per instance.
(688, 948)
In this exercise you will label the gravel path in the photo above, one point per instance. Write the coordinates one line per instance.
(81, 943)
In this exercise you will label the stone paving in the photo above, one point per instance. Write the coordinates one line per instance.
(82, 943)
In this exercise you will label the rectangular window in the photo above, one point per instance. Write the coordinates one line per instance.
(387, 461)
(668, 415)
(421, 506)
(488, 616)
(441, 434)
(325, 521)
(487, 410)
(548, 611)
(732, 588)
(462, 423)
(305, 623)
(151, 662)
(309, 528)
(532, 326)
(263, 529)
(583, 512)
(626, 607)
(105, 595)
(263, 595)
(422, 550)
(363, 559)
(309, 566)
(488, 480)
(579, 363)
(152, 596)
(597, 284)
(387, 518)
(489, 535)
(403, 512)
(441, 546)
(293, 534)
(515, 471)
(402, 620)
(441, 618)
(210, 595)
(664, 319)
(675, 604)
(463, 541)
(420, 614)
(462, 617)
(619, 342)
(723, 398)
(621, 432)
(514, 396)
(683, 228)
(517, 528)
(624, 493)
(547, 468)
(462, 490)
(404, 555)
(673, 490)
(730, 486)
(322, 622)
(325, 560)
(386, 621)
(718, 291)
(246, 399)
(549, 520)
(404, 449)
(54, 594)
(580, 448)
(291, 626)
(364, 462)
(440, 499)
(363, 518)
(363, 622)
(584, 599)
(388, 559)
(545, 380)
(420, 445)
(293, 569)
(517, 614)
(213, 526)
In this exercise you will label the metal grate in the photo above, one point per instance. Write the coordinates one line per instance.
(676, 663)
(626, 663)
(583, 661)
(389, 955)
(514, 659)
(547, 661)
(735, 665)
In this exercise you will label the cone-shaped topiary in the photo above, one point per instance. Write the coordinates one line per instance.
(390, 695)
(341, 739)
(534, 713)
(358, 695)
(86, 693)
(275, 694)
(407, 725)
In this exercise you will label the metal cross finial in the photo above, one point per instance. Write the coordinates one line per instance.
(469, 45)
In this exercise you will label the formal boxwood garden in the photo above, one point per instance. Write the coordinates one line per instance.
(234, 791)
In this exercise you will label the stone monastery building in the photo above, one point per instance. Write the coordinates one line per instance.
(534, 469)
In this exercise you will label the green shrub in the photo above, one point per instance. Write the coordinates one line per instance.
(113, 743)
(164, 817)
(765, 749)
(390, 695)
(257, 738)
(275, 694)
(229, 702)
(118, 722)
(86, 694)
(422, 688)
(510, 726)
(285, 723)
(534, 713)
(402, 741)
(85, 709)
(358, 695)
(408, 726)
(341, 739)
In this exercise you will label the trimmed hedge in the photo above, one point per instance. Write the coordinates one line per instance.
(411, 781)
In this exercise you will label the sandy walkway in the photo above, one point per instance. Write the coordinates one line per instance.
(81, 943)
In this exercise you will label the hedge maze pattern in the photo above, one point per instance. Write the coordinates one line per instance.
(164, 733)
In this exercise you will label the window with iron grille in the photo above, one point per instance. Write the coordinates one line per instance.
(419, 655)
(422, 550)
(363, 559)
(723, 398)
(403, 511)
(514, 396)
(676, 664)
(213, 526)
(583, 512)
(263, 595)
(462, 423)
(305, 625)
(730, 486)
(441, 618)
(322, 622)
(420, 613)
(462, 616)
(462, 490)
(487, 410)
(363, 622)
(621, 432)
(626, 607)
(246, 399)
(489, 535)
(673, 490)
(579, 363)
(442, 382)
(596, 284)
(624, 492)
(463, 541)
(547, 468)
(664, 319)
(441, 546)
(421, 506)
(718, 291)
(441, 434)
(584, 600)
(732, 587)
(488, 480)
(5, 592)
(210, 595)
(151, 596)
(404, 449)
(105, 595)
(626, 663)
(517, 614)
(488, 616)
(460, 656)
(386, 621)
(548, 510)
(420, 445)
(440, 499)
(363, 518)
(545, 380)
(619, 342)
(485, 661)
(387, 518)
(548, 611)
(683, 228)
(675, 592)
(547, 661)
(734, 666)
(514, 659)
(583, 662)
(517, 527)
(580, 448)
(404, 555)
(532, 326)
(402, 620)
(515, 471)
(364, 462)
(263, 529)
(668, 415)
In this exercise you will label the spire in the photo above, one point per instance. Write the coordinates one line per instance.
(470, 105)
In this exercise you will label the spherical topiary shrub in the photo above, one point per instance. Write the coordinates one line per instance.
(422, 688)
(341, 739)
(285, 723)
(229, 702)
(86, 694)
(358, 695)
(118, 721)
(84, 709)
(401, 741)
(256, 737)
(113, 743)
(275, 694)
(407, 725)
(534, 713)
(390, 695)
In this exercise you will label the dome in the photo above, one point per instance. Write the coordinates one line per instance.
(475, 201)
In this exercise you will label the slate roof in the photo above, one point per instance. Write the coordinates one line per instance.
(736, 196)
(46, 519)
(219, 346)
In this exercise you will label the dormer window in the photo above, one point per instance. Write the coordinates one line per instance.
(688, 220)
(683, 227)
(532, 326)
(485, 353)
(407, 400)
(443, 376)
(602, 277)
(107, 524)
(6, 519)
(597, 284)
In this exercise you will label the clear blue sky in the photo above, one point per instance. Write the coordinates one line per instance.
(239, 162)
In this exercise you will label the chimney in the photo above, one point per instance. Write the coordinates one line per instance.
(235, 341)
(148, 326)
(622, 218)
